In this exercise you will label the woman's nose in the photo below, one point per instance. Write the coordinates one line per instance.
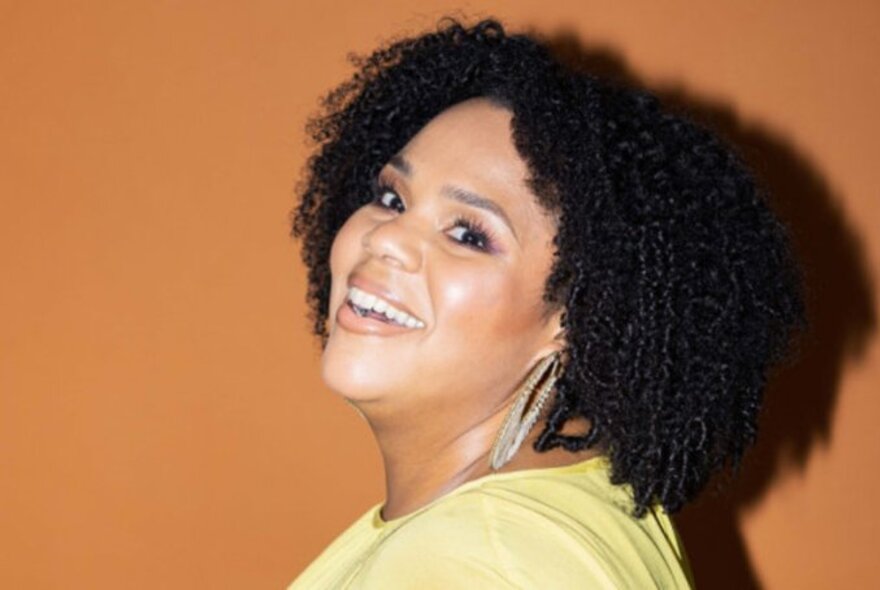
(395, 243)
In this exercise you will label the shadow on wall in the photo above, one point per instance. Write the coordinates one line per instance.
(801, 396)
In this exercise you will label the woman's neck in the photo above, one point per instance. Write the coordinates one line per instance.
(426, 458)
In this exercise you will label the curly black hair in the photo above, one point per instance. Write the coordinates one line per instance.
(679, 286)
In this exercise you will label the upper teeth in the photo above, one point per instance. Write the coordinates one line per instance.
(366, 300)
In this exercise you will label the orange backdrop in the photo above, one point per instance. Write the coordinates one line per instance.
(162, 423)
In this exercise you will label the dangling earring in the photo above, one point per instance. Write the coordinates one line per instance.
(519, 421)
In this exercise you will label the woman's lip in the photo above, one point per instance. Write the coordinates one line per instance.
(352, 322)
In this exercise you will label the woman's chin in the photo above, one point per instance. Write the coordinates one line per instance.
(366, 368)
(355, 379)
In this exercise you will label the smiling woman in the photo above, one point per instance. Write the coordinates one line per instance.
(468, 277)
(554, 303)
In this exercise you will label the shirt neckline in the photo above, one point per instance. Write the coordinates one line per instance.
(594, 462)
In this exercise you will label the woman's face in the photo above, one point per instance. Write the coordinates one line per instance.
(456, 241)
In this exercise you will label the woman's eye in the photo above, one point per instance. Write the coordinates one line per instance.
(466, 236)
(387, 198)
(469, 234)
(465, 231)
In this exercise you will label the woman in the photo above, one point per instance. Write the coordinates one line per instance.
(554, 303)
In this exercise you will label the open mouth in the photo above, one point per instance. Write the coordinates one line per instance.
(369, 313)
(367, 305)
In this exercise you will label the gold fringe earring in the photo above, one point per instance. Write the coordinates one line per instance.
(520, 421)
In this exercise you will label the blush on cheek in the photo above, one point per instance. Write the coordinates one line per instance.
(475, 304)
(456, 294)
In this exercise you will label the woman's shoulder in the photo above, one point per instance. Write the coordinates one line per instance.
(575, 500)
(553, 527)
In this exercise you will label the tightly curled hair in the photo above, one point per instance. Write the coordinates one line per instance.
(678, 284)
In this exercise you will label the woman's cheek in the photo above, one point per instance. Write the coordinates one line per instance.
(344, 243)
(344, 254)
(470, 297)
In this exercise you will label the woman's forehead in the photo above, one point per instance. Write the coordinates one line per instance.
(475, 136)
(470, 146)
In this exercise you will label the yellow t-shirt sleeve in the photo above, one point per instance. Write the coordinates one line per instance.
(478, 542)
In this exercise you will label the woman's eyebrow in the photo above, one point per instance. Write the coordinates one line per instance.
(459, 194)
(400, 164)
(474, 200)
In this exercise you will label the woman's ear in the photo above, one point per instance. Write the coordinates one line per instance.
(554, 339)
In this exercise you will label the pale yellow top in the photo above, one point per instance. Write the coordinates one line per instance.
(552, 528)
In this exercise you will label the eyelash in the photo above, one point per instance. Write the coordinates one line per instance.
(484, 237)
